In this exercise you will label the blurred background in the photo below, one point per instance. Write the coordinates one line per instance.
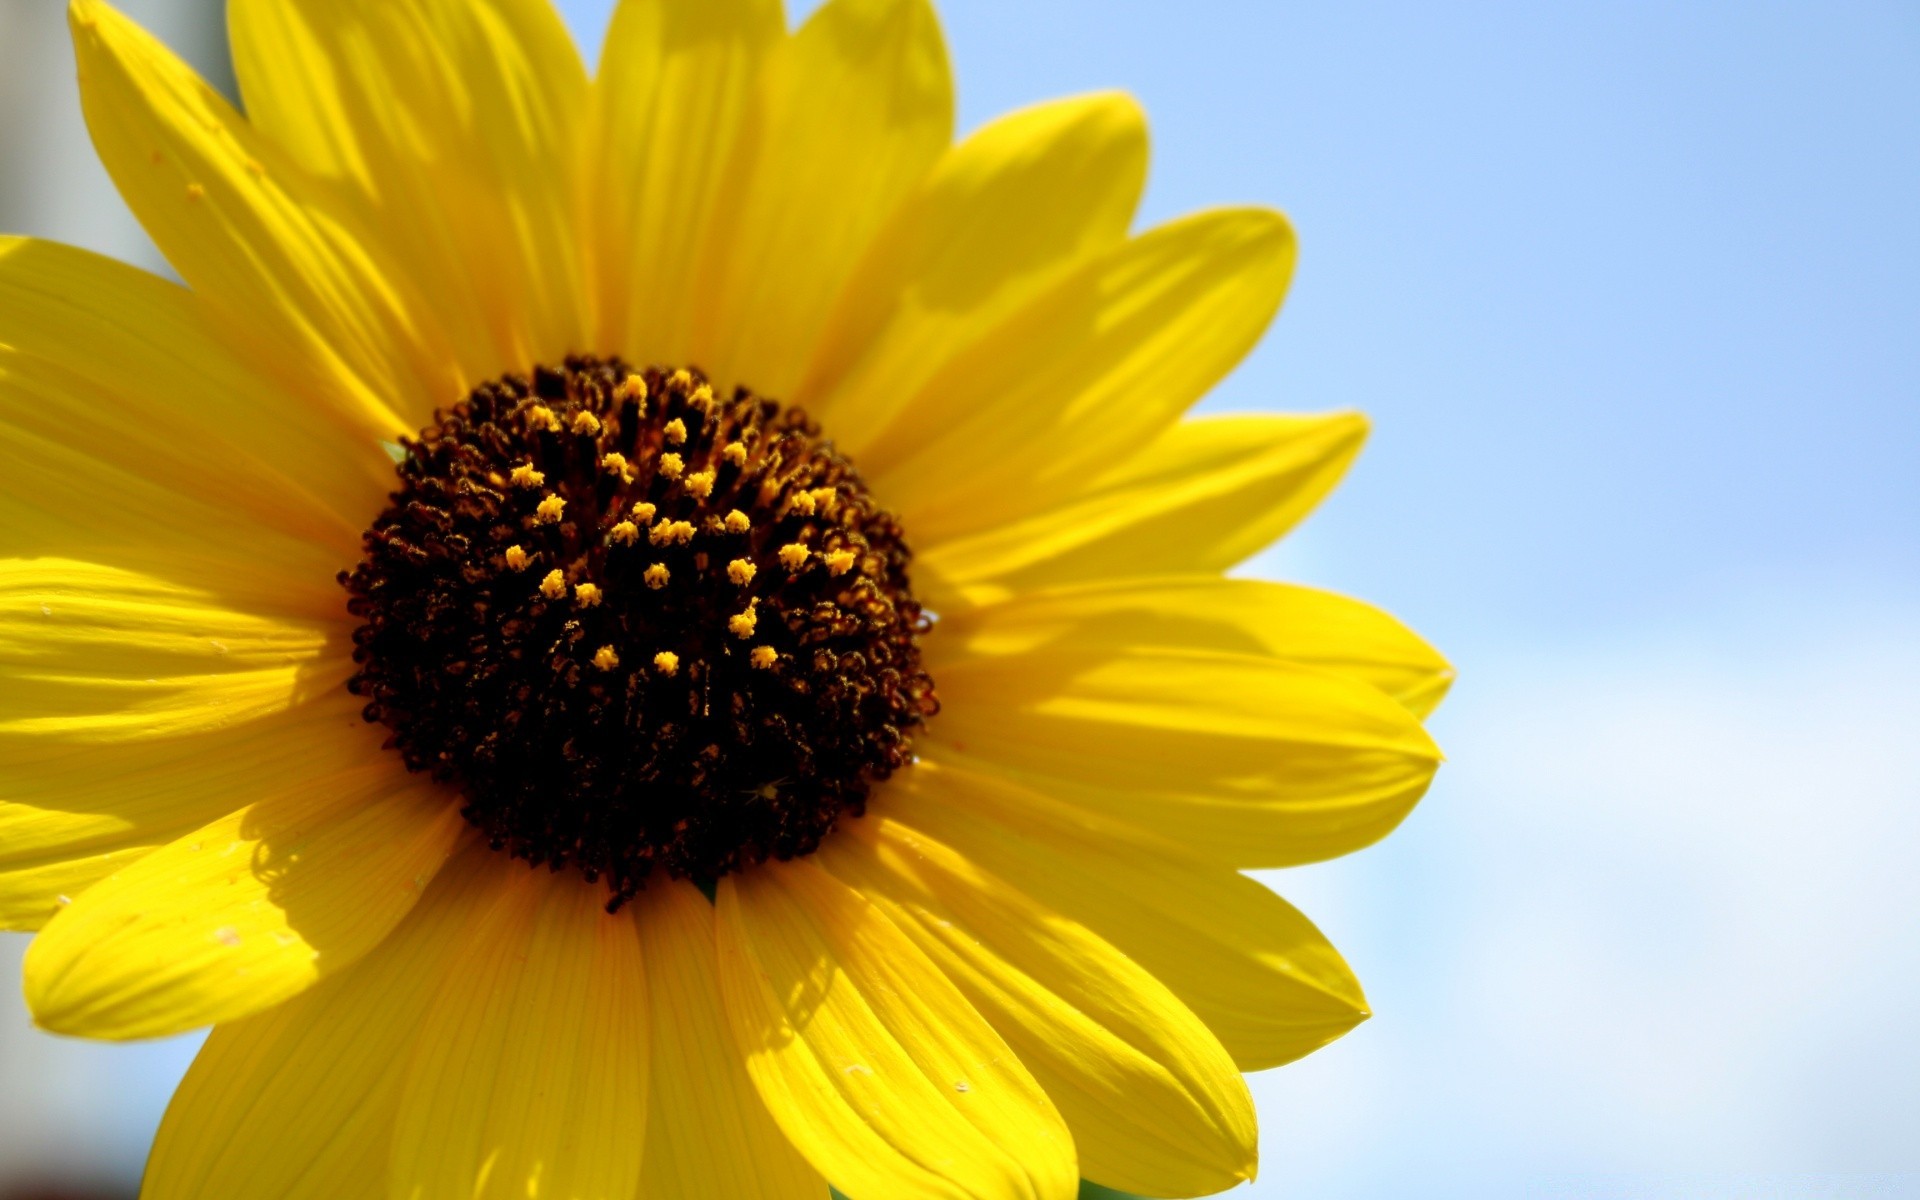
(1632, 293)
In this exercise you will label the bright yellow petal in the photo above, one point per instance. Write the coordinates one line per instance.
(1003, 214)
(455, 125)
(531, 1075)
(677, 81)
(130, 435)
(708, 1135)
(1209, 613)
(247, 911)
(1153, 1101)
(95, 654)
(253, 233)
(874, 1065)
(1204, 496)
(1244, 960)
(297, 1102)
(1080, 377)
(127, 369)
(852, 111)
(1252, 760)
(72, 813)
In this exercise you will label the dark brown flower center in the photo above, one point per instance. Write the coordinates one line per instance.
(639, 626)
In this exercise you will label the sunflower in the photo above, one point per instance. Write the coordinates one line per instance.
(666, 635)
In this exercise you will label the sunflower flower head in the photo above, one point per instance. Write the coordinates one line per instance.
(704, 665)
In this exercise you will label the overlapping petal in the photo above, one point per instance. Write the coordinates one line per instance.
(126, 368)
(530, 1076)
(456, 128)
(247, 911)
(999, 219)
(1264, 980)
(708, 1135)
(1259, 760)
(1097, 366)
(299, 280)
(677, 86)
(134, 710)
(298, 1102)
(1211, 614)
(1154, 1103)
(873, 1064)
(1203, 496)
(850, 113)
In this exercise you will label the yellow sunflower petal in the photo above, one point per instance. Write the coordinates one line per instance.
(1209, 613)
(1204, 496)
(1003, 214)
(1254, 760)
(1245, 961)
(251, 232)
(531, 1074)
(708, 1135)
(456, 125)
(245, 912)
(127, 369)
(852, 111)
(72, 813)
(1082, 376)
(96, 654)
(677, 81)
(115, 398)
(873, 1064)
(298, 1102)
(1153, 1101)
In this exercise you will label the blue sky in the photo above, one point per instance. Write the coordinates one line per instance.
(1631, 292)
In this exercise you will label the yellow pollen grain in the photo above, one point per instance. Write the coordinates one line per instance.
(633, 388)
(801, 503)
(839, 562)
(624, 533)
(587, 595)
(671, 465)
(657, 576)
(741, 571)
(643, 511)
(764, 657)
(517, 558)
(742, 624)
(682, 379)
(700, 483)
(586, 423)
(703, 395)
(541, 417)
(616, 464)
(527, 476)
(554, 585)
(605, 658)
(794, 555)
(666, 532)
(667, 662)
(675, 431)
(737, 522)
(548, 511)
(826, 498)
(735, 453)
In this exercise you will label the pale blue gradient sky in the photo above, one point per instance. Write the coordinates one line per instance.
(1632, 293)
